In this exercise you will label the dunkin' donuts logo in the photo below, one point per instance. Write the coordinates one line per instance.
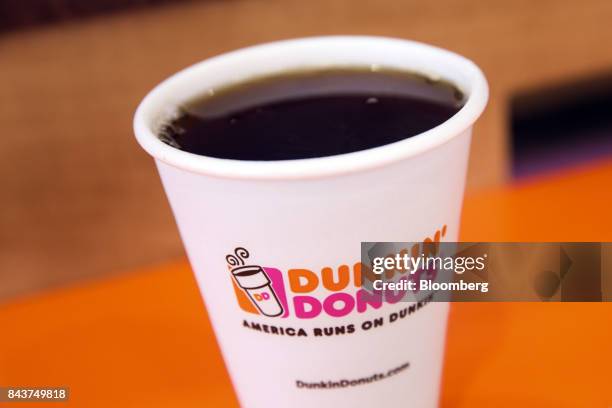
(262, 290)
(307, 294)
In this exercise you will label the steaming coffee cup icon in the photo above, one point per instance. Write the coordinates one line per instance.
(255, 283)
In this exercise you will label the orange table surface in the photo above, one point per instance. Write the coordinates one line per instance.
(143, 339)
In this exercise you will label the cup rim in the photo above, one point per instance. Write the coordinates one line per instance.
(318, 167)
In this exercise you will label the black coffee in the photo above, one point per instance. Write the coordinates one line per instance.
(298, 115)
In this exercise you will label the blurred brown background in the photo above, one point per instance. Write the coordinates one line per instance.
(79, 198)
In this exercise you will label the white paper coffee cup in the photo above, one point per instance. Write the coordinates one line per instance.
(275, 246)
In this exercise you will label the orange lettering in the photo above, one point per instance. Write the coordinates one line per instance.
(296, 277)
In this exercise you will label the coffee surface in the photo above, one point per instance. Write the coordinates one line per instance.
(307, 114)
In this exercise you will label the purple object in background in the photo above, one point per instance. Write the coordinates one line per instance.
(561, 126)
